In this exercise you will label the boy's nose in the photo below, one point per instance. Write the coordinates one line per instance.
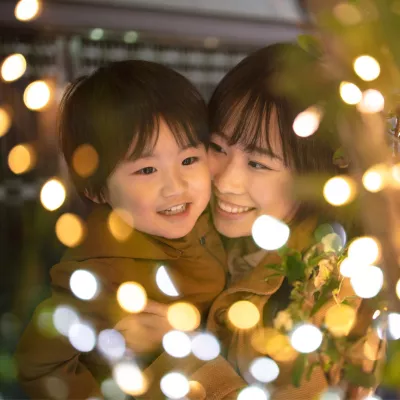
(174, 185)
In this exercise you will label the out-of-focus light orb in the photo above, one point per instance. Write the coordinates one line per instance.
(56, 388)
(26, 10)
(307, 122)
(243, 314)
(350, 93)
(183, 316)
(63, 318)
(85, 160)
(269, 233)
(347, 13)
(111, 390)
(52, 194)
(394, 325)
(37, 95)
(165, 283)
(365, 250)
(367, 68)
(130, 378)
(253, 393)
(398, 288)
(120, 223)
(96, 34)
(21, 159)
(395, 171)
(339, 319)
(70, 230)
(377, 313)
(348, 266)
(374, 179)
(131, 37)
(264, 369)
(332, 393)
(177, 344)
(205, 346)
(339, 190)
(13, 67)
(197, 391)
(174, 385)
(373, 397)
(82, 337)
(306, 338)
(5, 121)
(367, 282)
(111, 343)
(273, 343)
(372, 102)
(132, 297)
(83, 284)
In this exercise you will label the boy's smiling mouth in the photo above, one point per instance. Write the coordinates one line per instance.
(176, 209)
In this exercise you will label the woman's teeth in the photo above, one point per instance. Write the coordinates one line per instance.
(232, 209)
(175, 209)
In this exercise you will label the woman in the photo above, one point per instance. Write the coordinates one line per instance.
(255, 160)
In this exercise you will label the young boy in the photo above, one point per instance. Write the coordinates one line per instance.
(148, 126)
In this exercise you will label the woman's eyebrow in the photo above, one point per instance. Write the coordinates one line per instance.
(262, 151)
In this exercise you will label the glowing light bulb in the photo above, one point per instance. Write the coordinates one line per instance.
(70, 230)
(264, 369)
(132, 297)
(183, 316)
(339, 190)
(177, 344)
(367, 282)
(21, 159)
(52, 195)
(307, 122)
(37, 95)
(26, 10)
(350, 93)
(165, 283)
(372, 102)
(367, 68)
(306, 338)
(243, 314)
(13, 67)
(365, 250)
(269, 233)
(83, 284)
(174, 385)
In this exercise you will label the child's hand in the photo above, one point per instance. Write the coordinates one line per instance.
(143, 332)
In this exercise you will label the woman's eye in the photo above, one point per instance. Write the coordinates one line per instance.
(256, 165)
(190, 160)
(146, 171)
(216, 148)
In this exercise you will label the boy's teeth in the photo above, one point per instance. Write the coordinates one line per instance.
(175, 209)
(233, 210)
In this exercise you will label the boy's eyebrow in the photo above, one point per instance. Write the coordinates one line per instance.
(261, 151)
(150, 154)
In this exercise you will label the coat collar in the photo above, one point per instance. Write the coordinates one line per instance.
(100, 243)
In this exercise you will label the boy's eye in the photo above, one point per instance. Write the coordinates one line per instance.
(190, 160)
(146, 171)
(256, 165)
(215, 147)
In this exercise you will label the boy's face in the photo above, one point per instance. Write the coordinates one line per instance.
(164, 192)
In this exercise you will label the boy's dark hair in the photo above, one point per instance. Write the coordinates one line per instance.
(117, 110)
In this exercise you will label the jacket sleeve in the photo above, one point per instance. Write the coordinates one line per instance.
(217, 377)
(45, 357)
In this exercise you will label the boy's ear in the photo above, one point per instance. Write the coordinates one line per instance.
(98, 199)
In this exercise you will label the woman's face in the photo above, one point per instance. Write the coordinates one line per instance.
(248, 184)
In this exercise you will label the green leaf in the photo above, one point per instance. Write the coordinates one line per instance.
(298, 369)
(275, 267)
(325, 295)
(283, 251)
(295, 267)
(331, 351)
(311, 369)
(313, 262)
(310, 44)
(272, 276)
(356, 376)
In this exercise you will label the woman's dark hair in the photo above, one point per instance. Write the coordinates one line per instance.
(280, 78)
(117, 111)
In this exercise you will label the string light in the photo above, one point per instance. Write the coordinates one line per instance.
(339, 190)
(70, 230)
(183, 316)
(174, 385)
(367, 68)
(365, 250)
(306, 338)
(26, 10)
(5, 121)
(52, 194)
(243, 314)
(130, 378)
(85, 160)
(375, 178)
(120, 223)
(205, 346)
(264, 369)
(177, 344)
(83, 284)
(307, 122)
(111, 343)
(132, 297)
(37, 95)
(21, 159)
(269, 233)
(339, 319)
(82, 337)
(350, 93)
(372, 102)
(367, 282)
(165, 283)
(13, 67)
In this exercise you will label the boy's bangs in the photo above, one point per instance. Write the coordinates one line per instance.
(246, 123)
